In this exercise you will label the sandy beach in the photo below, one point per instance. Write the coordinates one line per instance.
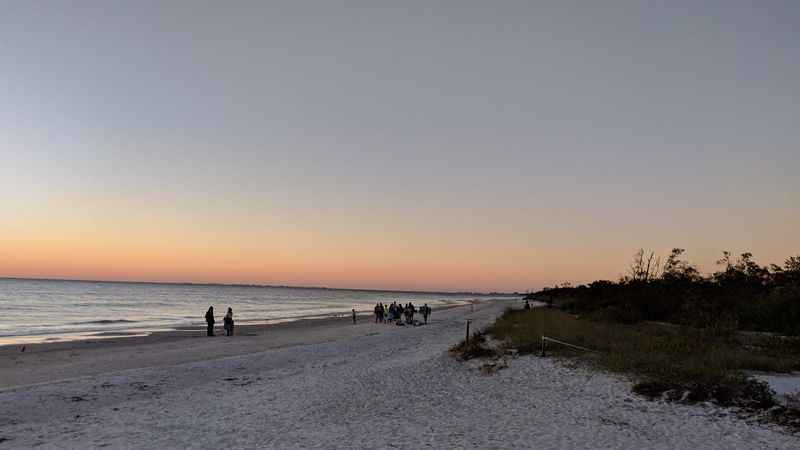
(330, 384)
(52, 361)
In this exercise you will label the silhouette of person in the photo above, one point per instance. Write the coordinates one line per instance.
(354, 316)
(210, 320)
(228, 322)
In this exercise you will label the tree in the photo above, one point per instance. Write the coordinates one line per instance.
(790, 273)
(792, 265)
(644, 267)
(677, 269)
(745, 271)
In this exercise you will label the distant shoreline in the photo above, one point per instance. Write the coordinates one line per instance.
(187, 283)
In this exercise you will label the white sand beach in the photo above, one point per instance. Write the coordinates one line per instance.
(329, 384)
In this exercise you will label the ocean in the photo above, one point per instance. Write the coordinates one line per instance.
(54, 310)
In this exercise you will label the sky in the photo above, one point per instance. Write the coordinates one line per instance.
(430, 145)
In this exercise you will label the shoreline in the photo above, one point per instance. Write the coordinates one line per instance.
(30, 340)
(274, 286)
(45, 362)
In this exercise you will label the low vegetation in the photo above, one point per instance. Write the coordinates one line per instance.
(681, 336)
(475, 348)
(742, 295)
(677, 363)
(674, 357)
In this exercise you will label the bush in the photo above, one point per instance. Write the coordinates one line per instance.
(476, 348)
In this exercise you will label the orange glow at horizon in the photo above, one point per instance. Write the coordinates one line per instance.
(417, 261)
(435, 249)
(171, 251)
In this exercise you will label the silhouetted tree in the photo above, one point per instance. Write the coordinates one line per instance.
(677, 269)
(741, 294)
(644, 267)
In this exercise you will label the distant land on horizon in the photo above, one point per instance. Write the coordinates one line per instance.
(188, 283)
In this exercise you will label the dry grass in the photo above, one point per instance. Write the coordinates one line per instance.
(476, 348)
(681, 362)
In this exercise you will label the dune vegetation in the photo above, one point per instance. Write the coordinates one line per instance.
(677, 334)
(742, 295)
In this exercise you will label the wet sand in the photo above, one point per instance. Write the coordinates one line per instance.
(55, 361)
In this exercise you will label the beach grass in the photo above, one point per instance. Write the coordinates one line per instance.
(676, 362)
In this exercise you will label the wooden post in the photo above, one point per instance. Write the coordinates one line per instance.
(467, 339)
(543, 347)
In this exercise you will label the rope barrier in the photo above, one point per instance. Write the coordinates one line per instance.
(545, 339)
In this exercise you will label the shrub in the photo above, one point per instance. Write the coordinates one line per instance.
(476, 348)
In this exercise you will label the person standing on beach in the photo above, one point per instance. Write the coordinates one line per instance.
(354, 316)
(210, 320)
(228, 322)
(426, 311)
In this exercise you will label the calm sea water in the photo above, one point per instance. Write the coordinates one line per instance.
(47, 310)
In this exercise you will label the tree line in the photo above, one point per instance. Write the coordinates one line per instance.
(741, 294)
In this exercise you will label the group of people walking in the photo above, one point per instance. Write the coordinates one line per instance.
(227, 321)
(395, 313)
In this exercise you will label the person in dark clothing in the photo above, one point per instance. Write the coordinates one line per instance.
(210, 320)
(354, 316)
(426, 311)
(228, 322)
(527, 305)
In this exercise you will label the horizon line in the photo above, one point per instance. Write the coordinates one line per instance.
(255, 285)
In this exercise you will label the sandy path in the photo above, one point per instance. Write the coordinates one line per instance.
(392, 388)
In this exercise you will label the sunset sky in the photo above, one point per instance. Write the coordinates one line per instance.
(465, 145)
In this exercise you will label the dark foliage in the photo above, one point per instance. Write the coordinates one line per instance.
(742, 295)
(741, 392)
